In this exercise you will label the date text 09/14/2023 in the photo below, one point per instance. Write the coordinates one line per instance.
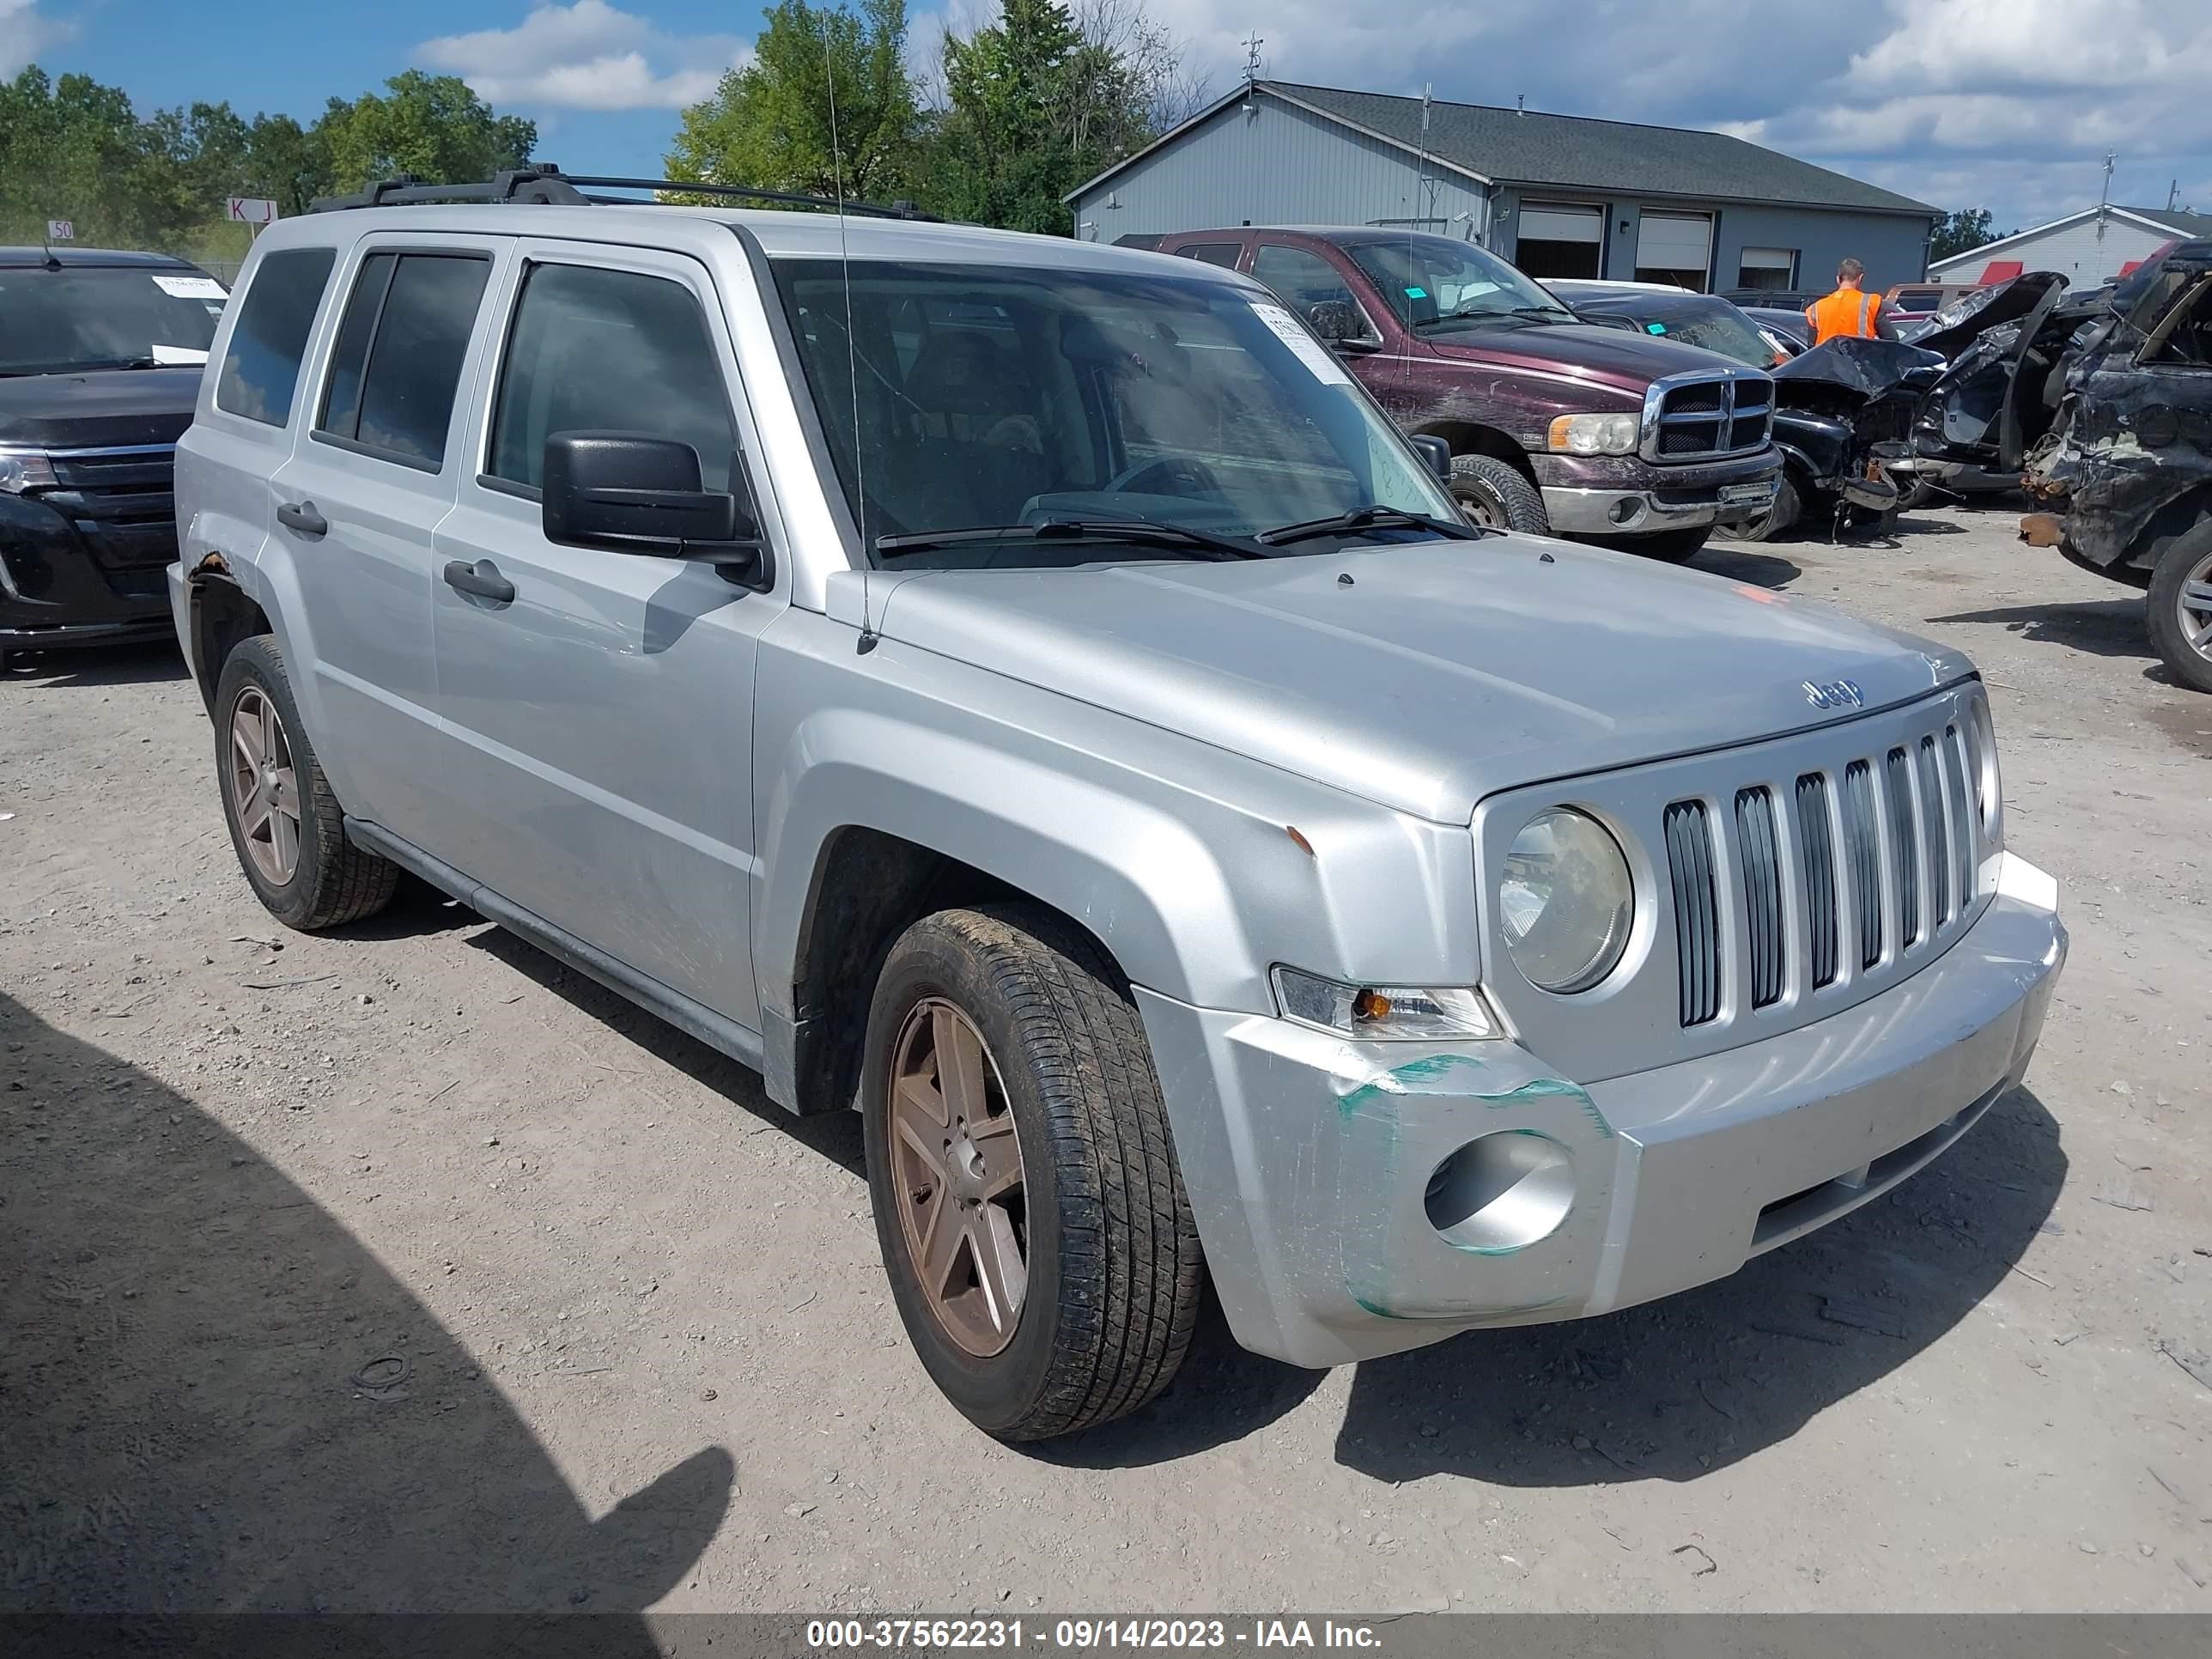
(1084, 1635)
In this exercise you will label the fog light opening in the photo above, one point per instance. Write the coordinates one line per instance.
(1626, 510)
(1501, 1193)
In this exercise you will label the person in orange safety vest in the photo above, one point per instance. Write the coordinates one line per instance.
(1847, 310)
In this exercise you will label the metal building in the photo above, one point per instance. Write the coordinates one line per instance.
(2087, 248)
(1559, 195)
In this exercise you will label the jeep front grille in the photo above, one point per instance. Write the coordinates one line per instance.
(1913, 884)
(1707, 418)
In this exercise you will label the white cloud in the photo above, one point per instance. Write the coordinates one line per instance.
(24, 33)
(589, 55)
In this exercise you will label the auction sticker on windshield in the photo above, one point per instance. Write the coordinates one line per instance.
(1309, 351)
(191, 287)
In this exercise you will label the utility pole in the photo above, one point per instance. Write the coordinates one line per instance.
(2104, 195)
(2173, 196)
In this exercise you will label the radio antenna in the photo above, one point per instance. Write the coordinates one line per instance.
(852, 348)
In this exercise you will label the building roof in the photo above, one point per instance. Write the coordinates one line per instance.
(1504, 146)
(2165, 222)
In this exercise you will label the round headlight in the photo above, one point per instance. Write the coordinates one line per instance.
(1567, 900)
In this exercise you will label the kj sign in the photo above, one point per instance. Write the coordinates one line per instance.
(252, 210)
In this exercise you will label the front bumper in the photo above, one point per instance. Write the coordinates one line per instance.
(1308, 1159)
(55, 591)
(1623, 496)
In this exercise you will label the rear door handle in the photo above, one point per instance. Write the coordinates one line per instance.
(482, 578)
(302, 517)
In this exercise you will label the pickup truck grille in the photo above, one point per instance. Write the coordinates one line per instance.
(1707, 418)
(121, 503)
(1779, 882)
(1907, 820)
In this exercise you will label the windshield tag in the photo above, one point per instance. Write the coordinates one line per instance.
(191, 287)
(1655, 328)
(177, 355)
(1307, 349)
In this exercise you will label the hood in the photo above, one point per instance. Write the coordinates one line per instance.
(1953, 328)
(1447, 671)
(99, 409)
(1866, 368)
(1605, 356)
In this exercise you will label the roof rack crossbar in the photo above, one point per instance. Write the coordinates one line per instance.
(544, 183)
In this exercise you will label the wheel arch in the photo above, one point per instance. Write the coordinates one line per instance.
(221, 615)
(1473, 438)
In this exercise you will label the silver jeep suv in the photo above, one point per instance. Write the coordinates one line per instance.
(1024, 690)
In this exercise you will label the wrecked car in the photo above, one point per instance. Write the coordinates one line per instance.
(1842, 410)
(2129, 456)
(1555, 427)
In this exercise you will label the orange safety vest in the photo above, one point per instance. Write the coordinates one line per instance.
(1847, 310)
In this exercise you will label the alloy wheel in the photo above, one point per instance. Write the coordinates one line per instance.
(2194, 604)
(957, 1169)
(264, 789)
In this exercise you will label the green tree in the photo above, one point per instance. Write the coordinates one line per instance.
(429, 125)
(769, 125)
(1960, 232)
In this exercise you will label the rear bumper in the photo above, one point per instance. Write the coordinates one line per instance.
(1623, 496)
(1309, 1160)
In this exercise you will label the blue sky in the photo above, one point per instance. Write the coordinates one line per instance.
(2010, 104)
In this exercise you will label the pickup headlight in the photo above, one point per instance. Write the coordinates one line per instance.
(1386, 1012)
(1595, 435)
(25, 469)
(1567, 900)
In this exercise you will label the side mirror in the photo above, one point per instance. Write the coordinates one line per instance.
(628, 493)
(1437, 453)
(1339, 323)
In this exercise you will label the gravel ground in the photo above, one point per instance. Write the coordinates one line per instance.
(405, 1269)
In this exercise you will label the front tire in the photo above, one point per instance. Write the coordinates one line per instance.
(2180, 608)
(1780, 516)
(1033, 1221)
(286, 826)
(1494, 494)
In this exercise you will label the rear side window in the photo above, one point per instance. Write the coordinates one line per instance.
(1214, 253)
(398, 358)
(261, 366)
(593, 350)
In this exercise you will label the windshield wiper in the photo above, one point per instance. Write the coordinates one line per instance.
(1368, 518)
(1181, 537)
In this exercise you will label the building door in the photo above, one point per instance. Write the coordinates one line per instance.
(1561, 240)
(1674, 247)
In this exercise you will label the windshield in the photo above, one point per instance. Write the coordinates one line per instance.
(1717, 327)
(995, 396)
(104, 317)
(1438, 284)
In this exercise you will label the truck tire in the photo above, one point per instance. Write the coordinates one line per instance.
(285, 824)
(1033, 1221)
(1494, 494)
(2180, 608)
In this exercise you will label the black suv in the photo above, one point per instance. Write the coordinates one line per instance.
(100, 354)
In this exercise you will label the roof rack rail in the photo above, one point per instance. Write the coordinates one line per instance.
(544, 183)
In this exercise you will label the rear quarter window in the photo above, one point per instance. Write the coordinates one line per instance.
(261, 364)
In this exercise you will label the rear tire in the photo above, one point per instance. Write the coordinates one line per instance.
(1495, 495)
(286, 826)
(1054, 1141)
(2179, 611)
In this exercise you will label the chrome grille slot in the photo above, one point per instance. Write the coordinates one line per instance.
(1697, 910)
(1904, 847)
(1762, 892)
(1818, 857)
(1960, 817)
(1862, 834)
(1934, 824)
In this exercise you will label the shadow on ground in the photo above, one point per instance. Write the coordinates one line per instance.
(1744, 561)
(95, 666)
(1675, 1388)
(2102, 627)
(214, 1398)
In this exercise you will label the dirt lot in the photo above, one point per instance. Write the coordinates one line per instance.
(405, 1269)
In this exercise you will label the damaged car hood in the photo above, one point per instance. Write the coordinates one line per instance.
(1424, 677)
(1868, 368)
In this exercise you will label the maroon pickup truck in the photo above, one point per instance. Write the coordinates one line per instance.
(1555, 426)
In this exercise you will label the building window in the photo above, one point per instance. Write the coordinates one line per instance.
(1561, 239)
(1774, 268)
(1674, 247)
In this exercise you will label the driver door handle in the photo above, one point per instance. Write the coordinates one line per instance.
(482, 578)
(302, 517)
